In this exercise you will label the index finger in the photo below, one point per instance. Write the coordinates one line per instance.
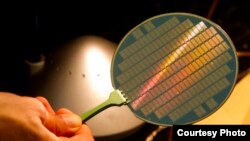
(46, 104)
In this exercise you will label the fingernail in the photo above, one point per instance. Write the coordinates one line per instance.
(72, 121)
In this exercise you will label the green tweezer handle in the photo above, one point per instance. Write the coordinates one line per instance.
(116, 98)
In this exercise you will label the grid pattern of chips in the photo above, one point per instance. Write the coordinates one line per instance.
(175, 70)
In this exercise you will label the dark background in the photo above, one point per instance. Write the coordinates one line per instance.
(30, 29)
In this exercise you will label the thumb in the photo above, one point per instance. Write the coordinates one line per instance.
(63, 123)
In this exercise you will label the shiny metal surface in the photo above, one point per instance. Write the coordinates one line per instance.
(77, 77)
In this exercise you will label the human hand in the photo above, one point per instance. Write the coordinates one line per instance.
(29, 119)
(61, 128)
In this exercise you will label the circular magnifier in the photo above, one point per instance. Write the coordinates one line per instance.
(174, 68)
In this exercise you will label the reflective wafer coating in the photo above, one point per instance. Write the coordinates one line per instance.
(175, 68)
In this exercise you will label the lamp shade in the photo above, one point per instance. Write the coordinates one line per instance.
(77, 76)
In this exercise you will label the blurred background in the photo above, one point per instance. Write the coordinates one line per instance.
(30, 29)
